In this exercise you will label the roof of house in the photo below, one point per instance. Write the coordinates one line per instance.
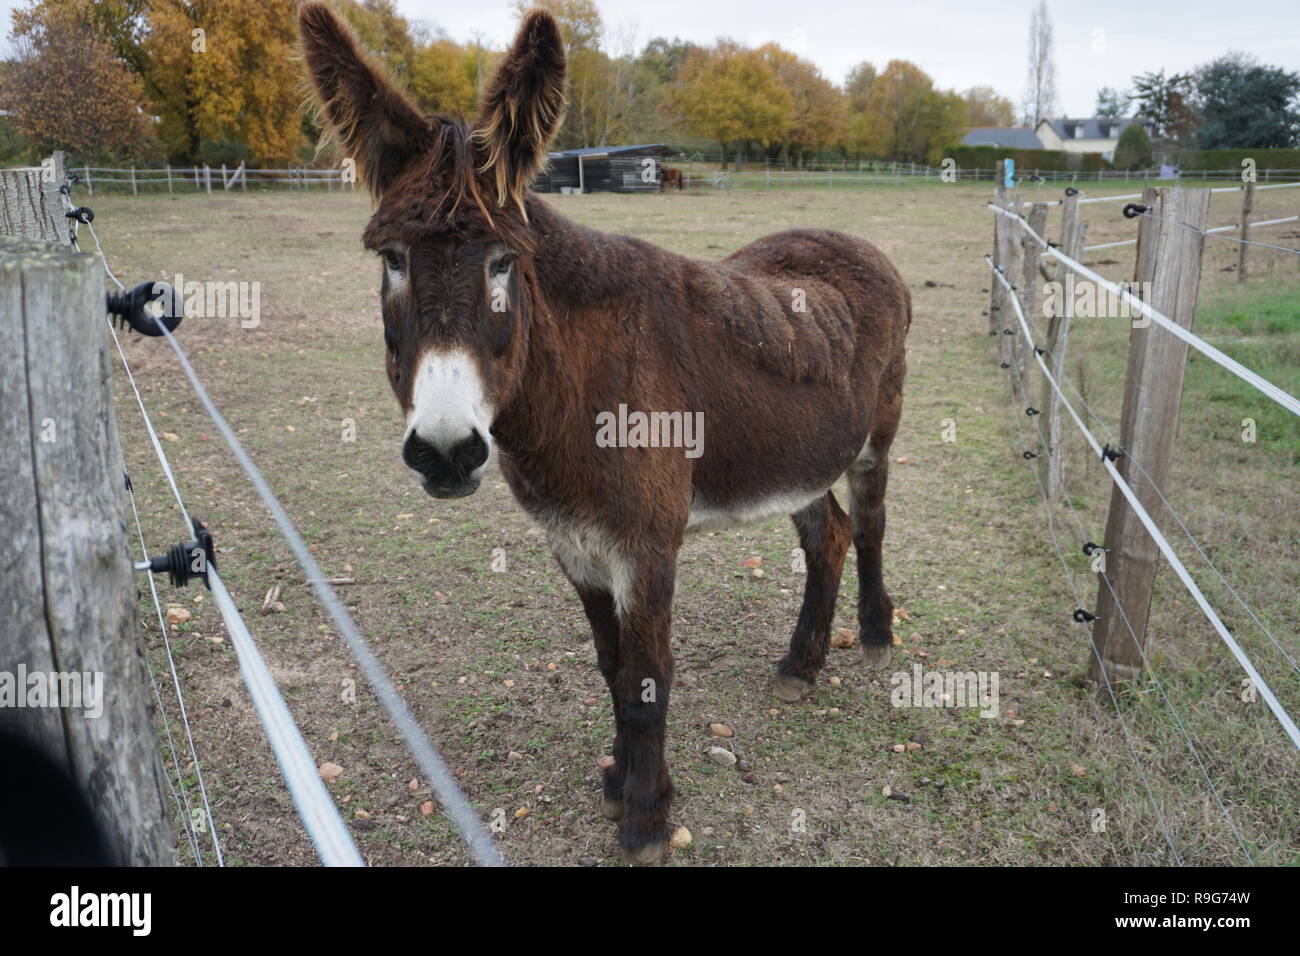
(1009, 137)
(1092, 127)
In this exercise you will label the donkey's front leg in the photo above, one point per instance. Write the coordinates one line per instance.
(599, 605)
(645, 673)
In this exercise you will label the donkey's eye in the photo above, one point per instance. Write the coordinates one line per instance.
(502, 265)
(394, 260)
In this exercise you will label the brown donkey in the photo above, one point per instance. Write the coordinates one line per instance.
(508, 325)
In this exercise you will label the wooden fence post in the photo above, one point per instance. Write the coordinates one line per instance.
(1011, 255)
(1029, 279)
(1051, 461)
(1169, 259)
(134, 191)
(169, 178)
(68, 594)
(1247, 201)
(29, 202)
(207, 177)
(90, 186)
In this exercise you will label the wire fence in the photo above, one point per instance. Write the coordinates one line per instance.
(698, 172)
(315, 807)
(1034, 341)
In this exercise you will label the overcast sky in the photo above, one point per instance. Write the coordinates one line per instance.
(960, 44)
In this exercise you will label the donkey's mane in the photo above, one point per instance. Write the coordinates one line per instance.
(443, 190)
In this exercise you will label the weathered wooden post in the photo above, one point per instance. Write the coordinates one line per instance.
(68, 592)
(207, 177)
(30, 205)
(1169, 274)
(1247, 202)
(90, 186)
(1029, 279)
(134, 191)
(1051, 467)
(169, 178)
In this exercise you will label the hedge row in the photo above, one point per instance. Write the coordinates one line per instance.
(1056, 160)
(1231, 158)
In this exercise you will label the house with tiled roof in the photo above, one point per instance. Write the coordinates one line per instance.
(1093, 134)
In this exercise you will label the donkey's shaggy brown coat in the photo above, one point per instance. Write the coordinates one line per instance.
(506, 322)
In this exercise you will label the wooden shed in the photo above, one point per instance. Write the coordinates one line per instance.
(618, 169)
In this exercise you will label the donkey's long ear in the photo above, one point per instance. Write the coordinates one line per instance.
(522, 108)
(378, 126)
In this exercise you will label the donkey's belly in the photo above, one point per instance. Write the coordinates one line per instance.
(711, 516)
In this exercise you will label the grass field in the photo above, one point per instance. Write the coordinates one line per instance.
(499, 666)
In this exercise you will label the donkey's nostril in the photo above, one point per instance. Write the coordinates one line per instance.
(470, 453)
(420, 455)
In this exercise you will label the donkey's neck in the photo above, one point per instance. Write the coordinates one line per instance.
(580, 274)
(577, 267)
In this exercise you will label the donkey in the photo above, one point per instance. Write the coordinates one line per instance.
(509, 326)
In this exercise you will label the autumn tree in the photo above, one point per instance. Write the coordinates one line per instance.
(226, 77)
(984, 107)
(442, 76)
(907, 119)
(730, 94)
(818, 117)
(65, 88)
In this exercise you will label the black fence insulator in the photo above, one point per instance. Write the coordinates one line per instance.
(1008, 332)
(1039, 351)
(1031, 411)
(129, 308)
(1030, 455)
(189, 559)
(1132, 210)
(1089, 547)
(1110, 453)
(127, 479)
(1082, 616)
(83, 214)
(1071, 191)
(993, 331)
(1005, 365)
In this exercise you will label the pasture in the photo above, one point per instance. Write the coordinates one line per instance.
(498, 664)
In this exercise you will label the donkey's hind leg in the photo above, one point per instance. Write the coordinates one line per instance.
(824, 536)
(868, 477)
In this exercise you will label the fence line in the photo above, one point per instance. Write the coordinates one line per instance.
(1015, 379)
(750, 174)
(1208, 232)
(316, 808)
(1287, 723)
(1283, 398)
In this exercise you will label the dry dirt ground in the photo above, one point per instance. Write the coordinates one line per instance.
(499, 666)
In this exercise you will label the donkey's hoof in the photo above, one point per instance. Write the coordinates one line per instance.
(791, 688)
(876, 655)
(652, 854)
(612, 809)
